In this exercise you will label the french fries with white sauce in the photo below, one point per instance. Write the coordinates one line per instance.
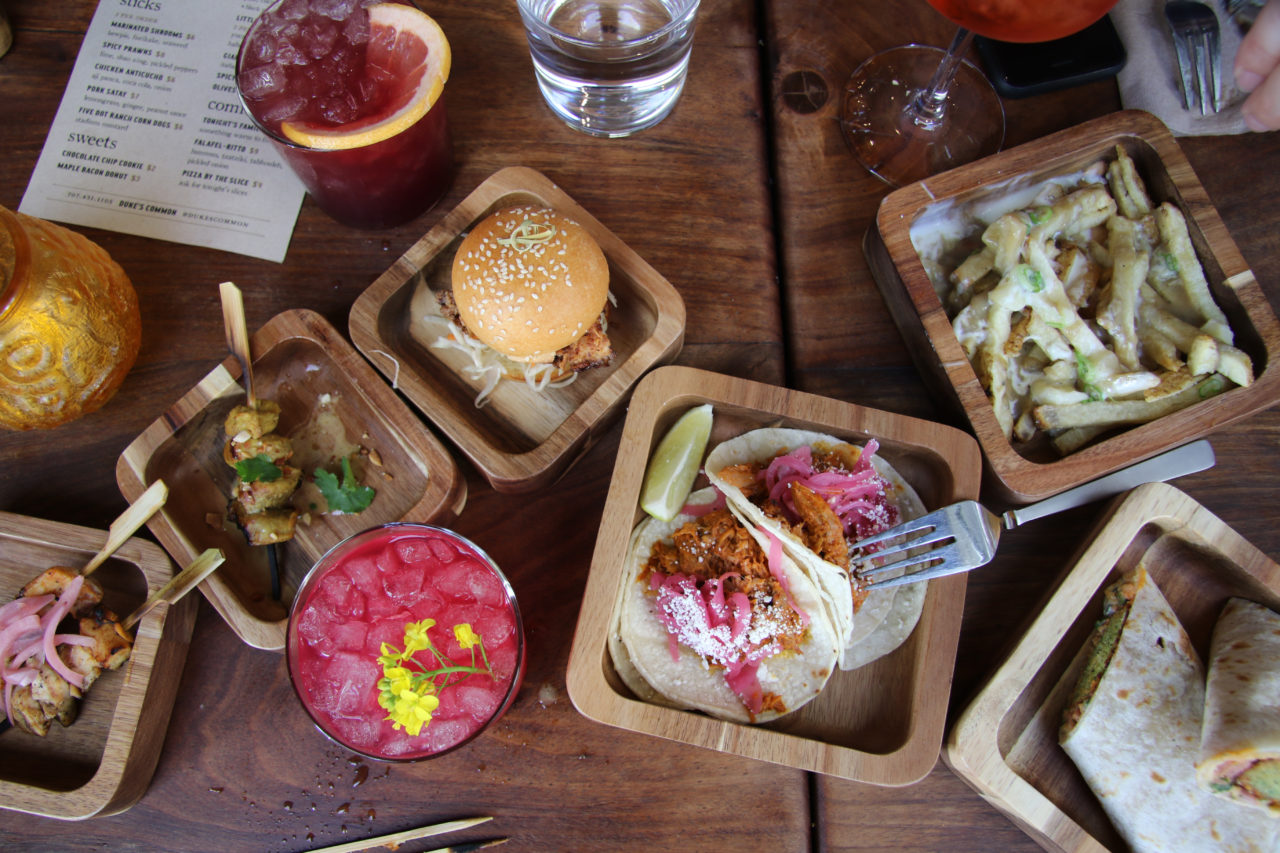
(1088, 310)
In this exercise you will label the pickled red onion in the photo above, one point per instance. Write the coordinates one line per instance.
(775, 569)
(29, 639)
(22, 606)
(857, 497)
(699, 510)
(713, 626)
(50, 622)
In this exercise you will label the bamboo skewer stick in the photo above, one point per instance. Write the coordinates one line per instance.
(128, 523)
(237, 331)
(395, 839)
(182, 583)
(238, 334)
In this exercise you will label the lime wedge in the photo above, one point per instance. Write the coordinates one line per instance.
(674, 465)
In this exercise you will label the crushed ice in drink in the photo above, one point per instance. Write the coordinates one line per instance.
(442, 551)
(334, 9)
(474, 701)
(447, 733)
(364, 573)
(350, 636)
(356, 676)
(283, 109)
(262, 81)
(405, 585)
(358, 731)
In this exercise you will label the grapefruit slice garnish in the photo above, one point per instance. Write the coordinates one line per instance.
(406, 46)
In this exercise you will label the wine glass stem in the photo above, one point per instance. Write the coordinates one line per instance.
(928, 107)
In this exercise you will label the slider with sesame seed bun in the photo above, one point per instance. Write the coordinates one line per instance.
(531, 284)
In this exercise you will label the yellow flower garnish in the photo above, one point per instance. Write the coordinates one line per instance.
(465, 636)
(415, 635)
(407, 689)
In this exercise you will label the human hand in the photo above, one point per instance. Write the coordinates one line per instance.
(1257, 70)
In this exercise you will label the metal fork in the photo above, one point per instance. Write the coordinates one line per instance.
(1195, 41)
(1243, 12)
(963, 536)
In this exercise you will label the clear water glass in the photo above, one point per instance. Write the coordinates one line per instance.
(610, 67)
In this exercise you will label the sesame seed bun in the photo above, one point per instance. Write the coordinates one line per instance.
(528, 281)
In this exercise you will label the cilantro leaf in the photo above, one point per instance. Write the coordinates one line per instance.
(258, 469)
(346, 496)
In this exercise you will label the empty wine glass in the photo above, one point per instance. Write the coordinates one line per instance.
(913, 111)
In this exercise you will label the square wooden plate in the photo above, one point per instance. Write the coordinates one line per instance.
(333, 404)
(882, 723)
(103, 762)
(520, 440)
(1005, 744)
(1031, 473)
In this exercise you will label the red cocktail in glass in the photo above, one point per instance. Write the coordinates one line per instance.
(339, 86)
(361, 595)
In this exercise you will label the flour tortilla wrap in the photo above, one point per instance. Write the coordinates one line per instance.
(1240, 738)
(1132, 727)
(642, 646)
(886, 617)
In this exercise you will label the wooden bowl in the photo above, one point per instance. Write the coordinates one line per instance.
(1026, 474)
(519, 440)
(882, 723)
(1005, 744)
(333, 404)
(102, 763)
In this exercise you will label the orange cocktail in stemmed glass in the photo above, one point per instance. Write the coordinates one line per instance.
(913, 111)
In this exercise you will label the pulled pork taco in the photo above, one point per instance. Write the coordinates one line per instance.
(710, 620)
(816, 495)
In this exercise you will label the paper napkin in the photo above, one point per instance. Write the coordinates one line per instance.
(1149, 80)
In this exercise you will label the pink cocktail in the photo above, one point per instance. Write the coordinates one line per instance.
(362, 594)
(339, 96)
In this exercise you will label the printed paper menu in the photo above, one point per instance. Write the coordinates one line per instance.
(151, 138)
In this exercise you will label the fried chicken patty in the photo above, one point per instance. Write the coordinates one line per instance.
(593, 349)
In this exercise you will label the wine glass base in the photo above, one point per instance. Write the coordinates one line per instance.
(878, 122)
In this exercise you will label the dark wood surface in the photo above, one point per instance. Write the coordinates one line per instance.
(748, 201)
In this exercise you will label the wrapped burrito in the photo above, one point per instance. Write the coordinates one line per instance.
(816, 494)
(1132, 727)
(710, 620)
(1240, 740)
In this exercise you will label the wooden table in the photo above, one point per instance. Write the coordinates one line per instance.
(748, 201)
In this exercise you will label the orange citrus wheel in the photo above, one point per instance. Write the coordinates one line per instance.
(405, 45)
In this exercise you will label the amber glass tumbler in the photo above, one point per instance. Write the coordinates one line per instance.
(69, 324)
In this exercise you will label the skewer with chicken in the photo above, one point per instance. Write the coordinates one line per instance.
(265, 482)
(56, 639)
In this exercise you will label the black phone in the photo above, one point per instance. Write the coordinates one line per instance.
(1023, 70)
